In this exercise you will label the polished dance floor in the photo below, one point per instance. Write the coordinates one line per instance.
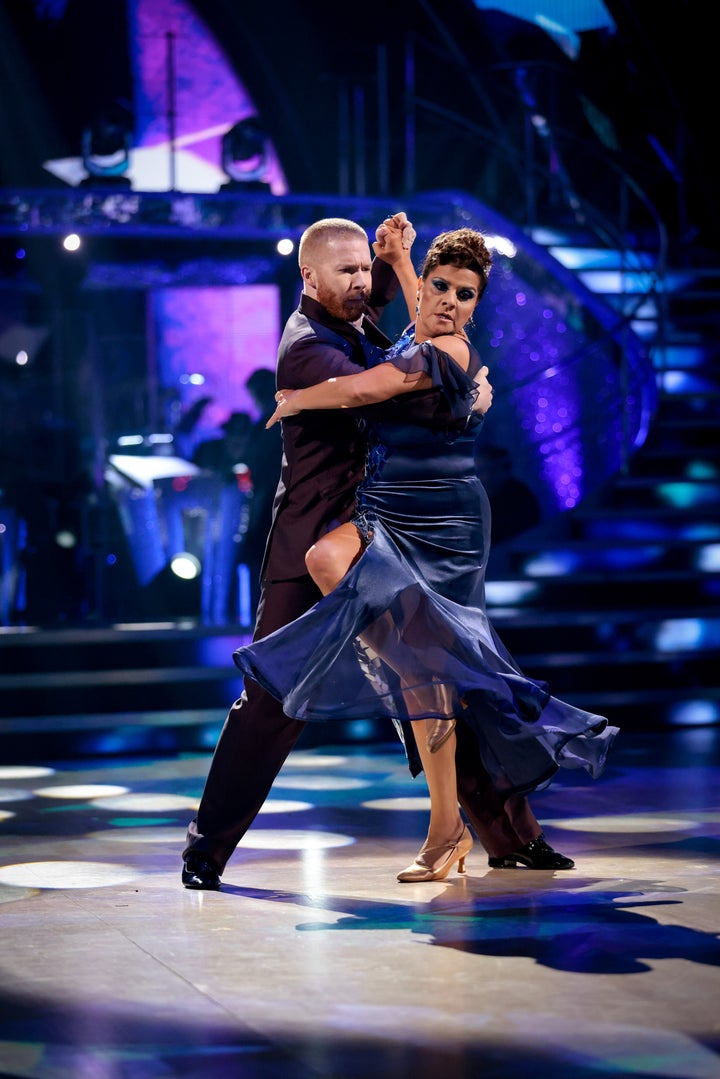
(313, 962)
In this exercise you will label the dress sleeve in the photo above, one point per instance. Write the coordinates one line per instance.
(457, 386)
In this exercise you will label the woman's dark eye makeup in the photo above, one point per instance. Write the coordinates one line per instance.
(442, 286)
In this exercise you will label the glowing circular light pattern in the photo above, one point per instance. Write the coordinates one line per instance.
(278, 805)
(322, 783)
(66, 874)
(87, 791)
(552, 564)
(24, 771)
(308, 760)
(694, 713)
(404, 804)
(702, 470)
(72, 242)
(146, 803)
(10, 795)
(625, 823)
(707, 559)
(508, 593)
(281, 839)
(678, 635)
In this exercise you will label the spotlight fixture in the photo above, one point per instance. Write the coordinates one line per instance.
(106, 145)
(245, 156)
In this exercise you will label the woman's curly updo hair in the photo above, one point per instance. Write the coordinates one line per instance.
(465, 248)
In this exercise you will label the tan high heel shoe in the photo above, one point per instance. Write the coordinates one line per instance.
(438, 732)
(434, 863)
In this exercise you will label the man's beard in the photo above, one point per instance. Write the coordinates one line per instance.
(348, 310)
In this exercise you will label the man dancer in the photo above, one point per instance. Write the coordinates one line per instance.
(330, 335)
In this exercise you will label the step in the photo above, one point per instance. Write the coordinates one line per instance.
(648, 663)
(699, 497)
(695, 394)
(626, 670)
(98, 734)
(592, 554)
(660, 463)
(602, 634)
(58, 736)
(600, 592)
(595, 555)
(652, 709)
(705, 483)
(150, 689)
(676, 407)
(24, 652)
(643, 519)
(690, 414)
(689, 352)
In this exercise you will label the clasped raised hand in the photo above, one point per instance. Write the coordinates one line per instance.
(394, 237)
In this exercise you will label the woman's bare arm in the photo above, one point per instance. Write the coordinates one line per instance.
(350, 391)
(390, 247)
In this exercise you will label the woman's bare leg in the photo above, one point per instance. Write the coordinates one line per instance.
(327, 562)
(439, 767)
(448, 840)
(331, 557)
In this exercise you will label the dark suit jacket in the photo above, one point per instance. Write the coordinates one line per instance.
(323, 451)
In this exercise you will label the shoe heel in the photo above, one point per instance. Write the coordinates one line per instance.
(421, 871)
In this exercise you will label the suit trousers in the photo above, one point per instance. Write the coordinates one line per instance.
(502, 822)
(254, 743)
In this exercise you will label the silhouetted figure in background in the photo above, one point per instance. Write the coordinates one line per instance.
(222, 454)
(246, 442)
(183, 432)
(513, 505)
(263, 458)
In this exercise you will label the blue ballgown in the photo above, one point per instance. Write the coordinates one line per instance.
(405, 635)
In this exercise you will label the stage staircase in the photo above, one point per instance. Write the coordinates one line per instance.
(616, 603)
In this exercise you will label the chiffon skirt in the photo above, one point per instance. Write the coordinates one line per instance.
(405, 634)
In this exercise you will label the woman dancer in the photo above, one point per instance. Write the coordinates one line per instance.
(402, 629)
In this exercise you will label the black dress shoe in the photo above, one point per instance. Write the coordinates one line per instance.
(537, 854)
(199, 871)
